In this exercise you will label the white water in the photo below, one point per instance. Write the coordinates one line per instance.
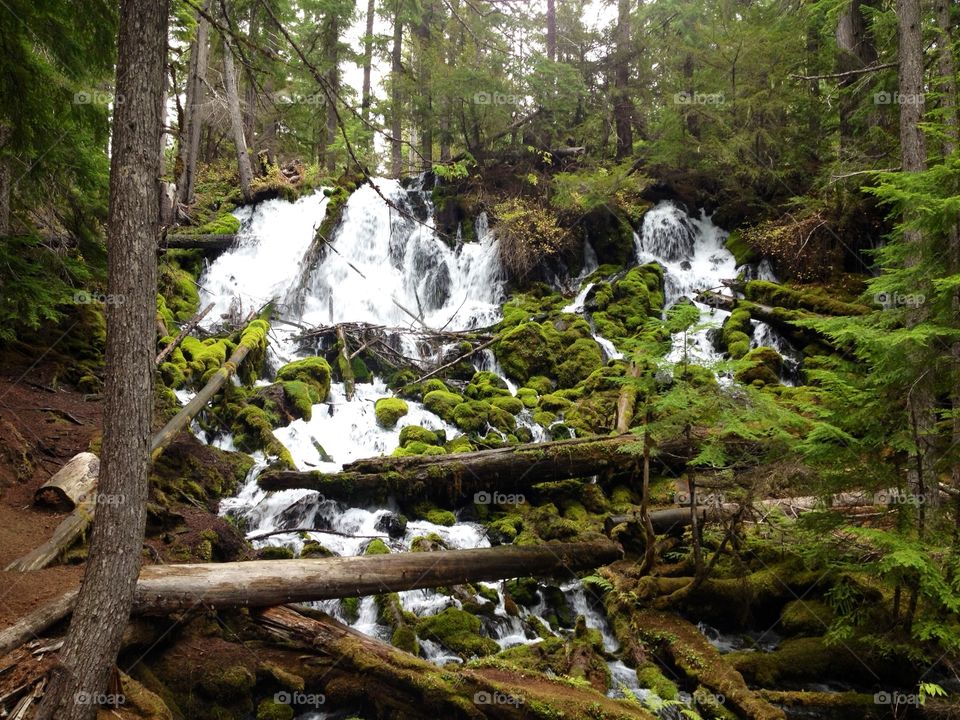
(387, 265)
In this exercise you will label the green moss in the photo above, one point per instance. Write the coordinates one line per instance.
(650, 676)
(270, 709)
(376, 547)
(405, 638)
(224, 224)
(416, 433)
(178, 289)
(540, 384)
(235, 681)
(742, 251)
(813, 298)
(313, 549)
(526, 350)
(460, 444)
(390, 410)
(762, 364)
(471, 416)
(275, 552)
(313, 371)
(504, 530)
(458, 631)
(418, 448)
(554, 403)
(442, 403)
(528, 397)
(301, 397)
(485, 385)
(582, 358)
(806, 617)
(541, 417)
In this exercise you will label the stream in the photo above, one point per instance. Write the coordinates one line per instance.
(385, 263)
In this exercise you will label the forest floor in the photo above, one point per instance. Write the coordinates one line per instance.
(41, 427)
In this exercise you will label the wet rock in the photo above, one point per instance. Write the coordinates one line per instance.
(393, 524)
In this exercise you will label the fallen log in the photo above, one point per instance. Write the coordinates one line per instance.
(182, 241)
(75, 524)
(346, 367)
(184, 331)
(70, 484)
(265, 583)
(452, 478)
(399, 684)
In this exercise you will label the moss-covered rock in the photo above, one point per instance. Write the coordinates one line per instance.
(458, 631)
(416, 433)
(485, 385)
(389, 411)
(581, 358)
(763, 365)
(471, 416)
(512, 405)
(442, 403)
(376, 547)
(806, 617)
(270, 709)
(526, 350)
(313, 371)
(735, 333)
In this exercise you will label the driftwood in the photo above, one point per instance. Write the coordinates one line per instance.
(70, 484)
(75, 524)
(452, 478)
(194, 242)
(184, 331)
(265, 583)
(346, 367)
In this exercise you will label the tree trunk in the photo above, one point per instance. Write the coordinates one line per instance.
(449, 479)
(623, 109)
(425, 60)
(366, 97)
(5, 183)
(551, 30)
(190, 132)
(913, 157)
(396, 98)
(250, 92)
(856, 51)
(333, 81)
(244, 170)
(193, 242)
(70, 484)
(109, 583)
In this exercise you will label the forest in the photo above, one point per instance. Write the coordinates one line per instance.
(478, 359)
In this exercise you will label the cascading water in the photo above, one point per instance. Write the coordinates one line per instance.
(385, 263)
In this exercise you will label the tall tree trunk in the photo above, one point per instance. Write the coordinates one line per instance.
(190, 132)
(623, 109)
(425, 61)
(551, 30)
(856, 51)
(5, 183)
(333, 81)
(951, 140)
(236, 122)
(367, 61)
(913, 157)
(250, 91)
(106, 595)
(396, 99)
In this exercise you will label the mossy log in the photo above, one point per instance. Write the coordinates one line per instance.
(75, 524)
(449, 479)
(184, 331)
(67, 487)
(399, 684)
(182, 241)
(163, 589)
(780, 319)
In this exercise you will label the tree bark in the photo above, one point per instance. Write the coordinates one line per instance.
(366, 95)
(396, 97)
(333, 81)
(856, 51)
(5, 183)
(192, 242)
(109, 583)
(193, 121)
(551, 30)
(244, 170)
(449, 479)
(623, 109)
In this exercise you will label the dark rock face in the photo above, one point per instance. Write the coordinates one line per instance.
(392, 524)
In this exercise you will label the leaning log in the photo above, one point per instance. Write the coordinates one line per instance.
(452, 478)
(184, 331)
(198, 242)
(266, 583)
(75, 524)
(70, 484)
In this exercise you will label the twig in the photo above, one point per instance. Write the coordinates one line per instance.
(261, 536)
(848, 73)
(184, 331)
